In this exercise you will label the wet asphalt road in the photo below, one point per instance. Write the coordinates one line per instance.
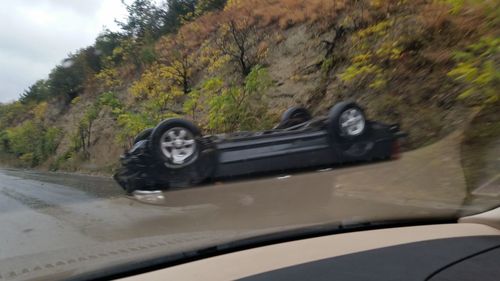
(42, 212)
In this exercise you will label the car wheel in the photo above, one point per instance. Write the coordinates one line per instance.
(176, 145)
(294, 116)
(347, 121)
(143, 135)
(173, 143)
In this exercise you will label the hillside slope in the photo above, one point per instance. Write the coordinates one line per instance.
(423, 64)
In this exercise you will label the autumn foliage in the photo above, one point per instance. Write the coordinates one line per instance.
(211, 61)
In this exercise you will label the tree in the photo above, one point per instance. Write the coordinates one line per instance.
(238, 38)
(83, 135)
(13, 113)
(179, 58)
(209, 5)
(19, 140)
(67, 79)
(37, 92)
(106, 42)
(144, 18)
(66, 82)
(234, 107)
(177, 11)
(105, 45)
(90, 59)
(4, 141)
(156, 94)
(131, 124)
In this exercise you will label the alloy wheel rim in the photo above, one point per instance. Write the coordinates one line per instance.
(178, 145)
(352, 122)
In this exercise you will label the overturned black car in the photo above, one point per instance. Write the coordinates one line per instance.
(176, 154)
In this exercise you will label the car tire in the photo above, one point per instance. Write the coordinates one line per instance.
(294, 116)
(181, 139)
(174, 143)
(347, 121)
(143, 135)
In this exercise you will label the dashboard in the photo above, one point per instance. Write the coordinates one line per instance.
(466, 250)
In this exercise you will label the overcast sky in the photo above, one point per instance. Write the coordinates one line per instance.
(35, 35)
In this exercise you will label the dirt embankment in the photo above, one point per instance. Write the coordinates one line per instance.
(393, 60)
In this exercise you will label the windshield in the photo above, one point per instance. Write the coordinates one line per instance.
(132, 131)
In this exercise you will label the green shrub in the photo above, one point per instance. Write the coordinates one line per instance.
(33, 142)
(131, 124)
(110, 99)
(478, 71)
(234, 107)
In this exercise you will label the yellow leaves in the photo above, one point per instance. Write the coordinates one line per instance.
(192, 103)
(32, 141)
(40, 110)
(171, 71)
(153, 83)
(124, 50)
(109, 77)
(361, 70)
(176, 93)
(362, 58)
(477, 70)
(395, 53)
(232, 4)
(378, 29)
(213, 58)
(146, 86)
(378, 3)
(358, 69)
(176, 72)
(388, 4)
(466, 94)
(378, 83)
(488, 73)
(21, 137)
(224, 29)
(464, 71)
(157, 92)
(374, 51)
(27, 158)
(131, 124)
(213, 86)
(389, 50)
(76, 100)
(118, 51)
